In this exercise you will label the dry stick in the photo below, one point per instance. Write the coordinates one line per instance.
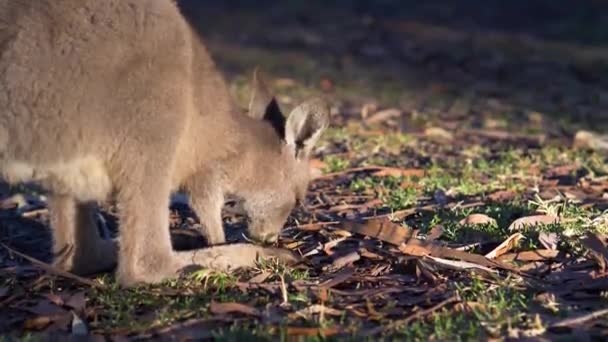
(348, 171)
(570, 322)
(417, 315)
(50, 269)
(34, 213)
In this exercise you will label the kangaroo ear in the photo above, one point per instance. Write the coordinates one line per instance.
(305, 125)
(263, 106)
(260, 96)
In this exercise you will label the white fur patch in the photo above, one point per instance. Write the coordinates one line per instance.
(84, 178)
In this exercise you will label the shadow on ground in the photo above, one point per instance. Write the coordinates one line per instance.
(441, 58)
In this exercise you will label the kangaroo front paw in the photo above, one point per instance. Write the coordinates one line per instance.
(231, 257)
(128, 278)
(221, 258)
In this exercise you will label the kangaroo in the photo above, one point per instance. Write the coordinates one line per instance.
(120, 99)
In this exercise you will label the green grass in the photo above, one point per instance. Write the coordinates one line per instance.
(186, 297)
(335, 164)
(490, 310)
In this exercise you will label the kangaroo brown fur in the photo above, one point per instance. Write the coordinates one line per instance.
(120, 99)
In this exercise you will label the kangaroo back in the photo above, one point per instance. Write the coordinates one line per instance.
(74, 73)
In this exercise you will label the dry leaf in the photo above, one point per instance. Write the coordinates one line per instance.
(590, 140)
(316, 226)
(327, 248)
(534, 220)
(438, 134)
(344, 260)
(77, 301)
(502, 196)
(475, 219)
(381, 229)
(317, 164)
(438, 88)
(359, 207)
(457, 264)
(423, 270)
(477, 306)
(397, 172)
(383, 115)
(535, 267)
(494, 134)
(14, 202)
(596, 246)
(414, 250)
(505, 246)
(562, 171)
(535, 117)
(370, 255)
(445, 252)
(395, 234)
(342, 233)
(55, 299)
(548, 240)
(260, 278)
(308, 312)
(367, 109)
(535, 255)
(326, 84)
(285, 82)
(435, 233)
(580, 320)
(316, 167)
(232, 307)
(37, 323)
(338, 278)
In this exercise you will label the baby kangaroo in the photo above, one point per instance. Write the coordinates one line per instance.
(120, 99)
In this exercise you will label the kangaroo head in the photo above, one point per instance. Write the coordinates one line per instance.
(286, 181)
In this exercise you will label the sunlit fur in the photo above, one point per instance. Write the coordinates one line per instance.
(120, 98)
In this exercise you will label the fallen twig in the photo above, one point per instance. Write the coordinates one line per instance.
(50, 269)
(533, 140)
(347, 171)
(418, 315)
(571, 322)
(34, 213)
